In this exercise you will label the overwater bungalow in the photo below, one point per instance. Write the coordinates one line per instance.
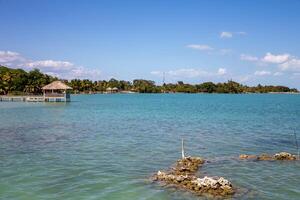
(57, 91)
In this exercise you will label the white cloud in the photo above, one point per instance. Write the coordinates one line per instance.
(225, 51)
(277, 59)
(9, 56)
(248, 57)
(244, 78)
(226, 34)
(61, 69)
(205, 47)
(73, 72)
(190, 73)
(285, 62)
(81, 72)
(262, 73)
(222, 71)
(278, 74)
(241, 33)
(76, 72)
(202, 47)
(187, 73)
(159, 73)
(64, 69)
(291, 65)
(183, 73)
(50, 64)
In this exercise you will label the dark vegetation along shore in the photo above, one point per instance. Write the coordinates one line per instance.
(18, 81)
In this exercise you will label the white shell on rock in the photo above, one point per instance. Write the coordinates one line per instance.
(211, 182)
(223, 181)
(283, 154)
(159, 173)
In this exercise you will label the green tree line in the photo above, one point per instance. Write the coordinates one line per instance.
(18, 81)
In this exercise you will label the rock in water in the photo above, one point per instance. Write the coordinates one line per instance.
(245, 156)
(264, 156)
(284, 156)
(183, 176)
(219, 186)
(188, 165)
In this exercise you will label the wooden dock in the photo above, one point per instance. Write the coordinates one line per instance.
(56, 91)
(23, 98)
(37, 98)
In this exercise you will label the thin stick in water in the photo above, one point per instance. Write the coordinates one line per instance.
(182, 149)
(297, 146)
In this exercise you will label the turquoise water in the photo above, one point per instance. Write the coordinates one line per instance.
(106, 146)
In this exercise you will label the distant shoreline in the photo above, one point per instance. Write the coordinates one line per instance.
(126, 92)
(130, 92)
(20, 82)
(287, 93)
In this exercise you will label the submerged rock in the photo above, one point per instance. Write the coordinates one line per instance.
(245, 156)
(188, 165)
(284, 156)
(218, 186)
(183, 176)
(264, 156)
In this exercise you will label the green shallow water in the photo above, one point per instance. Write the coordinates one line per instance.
(106, 146)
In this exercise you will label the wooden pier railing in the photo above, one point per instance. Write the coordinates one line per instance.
(37, 98)
(22, 98)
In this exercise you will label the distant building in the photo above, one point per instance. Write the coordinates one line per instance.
(57, 91)
(112, 90)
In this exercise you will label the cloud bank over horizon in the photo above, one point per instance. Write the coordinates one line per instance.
(60, 69)
(279, 65)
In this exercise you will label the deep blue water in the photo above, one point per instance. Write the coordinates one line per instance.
(106, 146)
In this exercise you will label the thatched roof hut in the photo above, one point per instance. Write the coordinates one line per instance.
(112, 90)
(57, 85)
(57, 91)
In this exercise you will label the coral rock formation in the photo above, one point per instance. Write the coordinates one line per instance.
(284, 156)
(188, 165)
(277, 156)
(245, 156)
(265, 156)
(183, 176)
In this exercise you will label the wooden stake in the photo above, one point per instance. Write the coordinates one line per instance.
(182, 149)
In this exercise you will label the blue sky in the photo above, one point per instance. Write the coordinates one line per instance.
(248, 41)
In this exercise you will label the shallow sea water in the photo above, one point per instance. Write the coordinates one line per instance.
(107, 146)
